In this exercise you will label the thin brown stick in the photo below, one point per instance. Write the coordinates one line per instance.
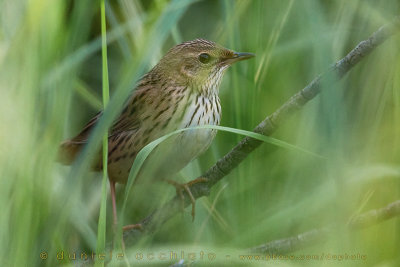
(232, 159)
(315, 236)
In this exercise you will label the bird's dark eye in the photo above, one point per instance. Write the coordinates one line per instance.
(204, 58)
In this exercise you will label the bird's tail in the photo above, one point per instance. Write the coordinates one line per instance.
(68, 151)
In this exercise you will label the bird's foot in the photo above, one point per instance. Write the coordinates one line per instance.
(128, 227)
(186, 187)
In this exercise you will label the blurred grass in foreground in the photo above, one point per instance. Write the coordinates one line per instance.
(50, 81)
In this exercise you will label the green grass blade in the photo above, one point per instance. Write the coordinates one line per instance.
(101, 231)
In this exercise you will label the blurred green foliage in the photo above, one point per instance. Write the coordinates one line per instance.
(51, 83)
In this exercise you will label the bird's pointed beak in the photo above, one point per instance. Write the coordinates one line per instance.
(237, 56)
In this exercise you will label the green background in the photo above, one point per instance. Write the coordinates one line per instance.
(51, 84)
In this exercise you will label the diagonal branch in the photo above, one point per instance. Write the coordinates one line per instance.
(232, 159)
(314, 236)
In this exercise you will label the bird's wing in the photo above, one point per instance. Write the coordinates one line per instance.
(128, 120)
(83, 136)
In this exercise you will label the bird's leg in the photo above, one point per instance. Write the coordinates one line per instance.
(186, 186)
(115, 219)
(114, 204)
(115, 222)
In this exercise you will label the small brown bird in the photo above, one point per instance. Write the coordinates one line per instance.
(180, 91)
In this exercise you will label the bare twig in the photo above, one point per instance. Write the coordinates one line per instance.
(232, 159)
(314, 236)
(291, 244)
(375, 216)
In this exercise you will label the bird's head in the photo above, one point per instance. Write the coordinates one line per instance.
(199, 63)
